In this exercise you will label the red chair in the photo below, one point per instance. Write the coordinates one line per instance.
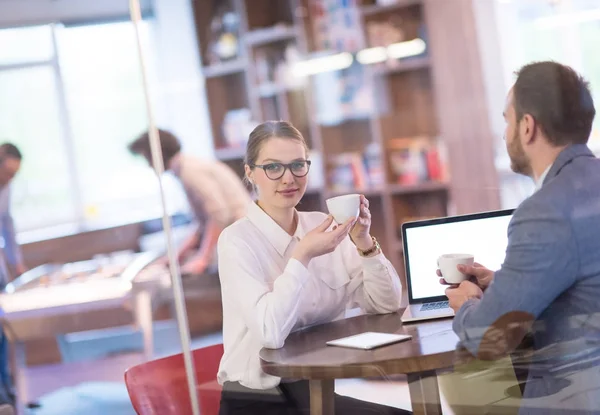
(160, 387)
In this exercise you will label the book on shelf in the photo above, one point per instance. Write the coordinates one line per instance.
(346, 173)
(374, 165)
(335, 25)
(415, 160)
(356, 171)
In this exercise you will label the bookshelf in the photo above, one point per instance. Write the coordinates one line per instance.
(396, 114)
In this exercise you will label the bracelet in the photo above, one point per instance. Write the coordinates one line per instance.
(369, 251)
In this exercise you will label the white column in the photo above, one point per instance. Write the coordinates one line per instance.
(181, 87)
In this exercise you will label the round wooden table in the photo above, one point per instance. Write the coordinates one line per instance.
(305, 355)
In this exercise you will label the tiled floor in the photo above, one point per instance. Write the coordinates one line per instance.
(84, 386)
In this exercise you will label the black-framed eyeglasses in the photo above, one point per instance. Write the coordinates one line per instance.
(275, 171)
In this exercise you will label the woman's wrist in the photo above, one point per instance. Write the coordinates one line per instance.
(301, 256)
(364, 244)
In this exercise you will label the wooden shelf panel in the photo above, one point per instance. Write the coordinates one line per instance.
(261, 37)
(374, 9)
(375, 192)
(230, 153)
(406, 65)
(397, 189)
(224, 69)
(398, 247)
(271, 89)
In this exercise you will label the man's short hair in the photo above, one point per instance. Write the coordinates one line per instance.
(169, 145)
(10, 150)
(558, 98)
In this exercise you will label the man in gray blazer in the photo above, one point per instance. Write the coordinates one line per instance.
(549, 283)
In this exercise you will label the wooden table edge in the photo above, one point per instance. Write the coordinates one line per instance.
(430, 363)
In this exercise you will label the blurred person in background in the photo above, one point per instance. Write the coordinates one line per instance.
(216, 195)
(11, 259)
(12, 264)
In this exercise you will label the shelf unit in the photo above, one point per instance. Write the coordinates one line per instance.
(372, 9)
(403, 97)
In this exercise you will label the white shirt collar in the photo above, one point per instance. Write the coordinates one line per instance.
(540, 180)
(274, 233)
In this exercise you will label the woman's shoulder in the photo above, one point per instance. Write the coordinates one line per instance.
(237, 231)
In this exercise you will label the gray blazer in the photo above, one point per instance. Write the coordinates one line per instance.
(552, 271)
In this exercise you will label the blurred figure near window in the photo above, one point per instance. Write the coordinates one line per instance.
(11, 260)
(215, 193)
(12, 264)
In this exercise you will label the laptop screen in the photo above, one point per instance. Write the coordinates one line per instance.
(484, 235)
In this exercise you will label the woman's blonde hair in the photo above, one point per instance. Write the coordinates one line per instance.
(264, 132)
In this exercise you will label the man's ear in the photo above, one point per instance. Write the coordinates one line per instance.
(528, 127)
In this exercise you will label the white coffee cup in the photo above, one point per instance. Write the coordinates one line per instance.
(447, 265)
(344, 207)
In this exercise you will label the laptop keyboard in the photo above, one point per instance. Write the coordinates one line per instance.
(434, 306)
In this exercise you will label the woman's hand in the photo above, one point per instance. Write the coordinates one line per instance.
(319, 241)
(360, 233)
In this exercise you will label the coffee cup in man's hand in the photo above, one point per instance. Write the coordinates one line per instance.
(448, 266)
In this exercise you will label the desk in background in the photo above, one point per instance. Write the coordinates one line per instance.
(51, 300)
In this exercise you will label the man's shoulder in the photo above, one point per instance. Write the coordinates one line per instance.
(189, 161)
(576, 185)
(567, 198)
(573, 179)
(540, 205)
(195, 168)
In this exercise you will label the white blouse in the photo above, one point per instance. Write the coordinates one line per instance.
(266, 294)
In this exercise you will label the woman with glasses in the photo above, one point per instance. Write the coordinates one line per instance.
(282, 270)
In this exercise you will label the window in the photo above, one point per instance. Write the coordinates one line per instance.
(567, 31)
(29, 116)
(105, 114)
(26, 45)
(72, 99)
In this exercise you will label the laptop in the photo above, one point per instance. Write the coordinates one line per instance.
(482, 234)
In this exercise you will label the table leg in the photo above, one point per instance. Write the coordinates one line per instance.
(322, 397)
(143, 316)
(20, 366)
(424, 393)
